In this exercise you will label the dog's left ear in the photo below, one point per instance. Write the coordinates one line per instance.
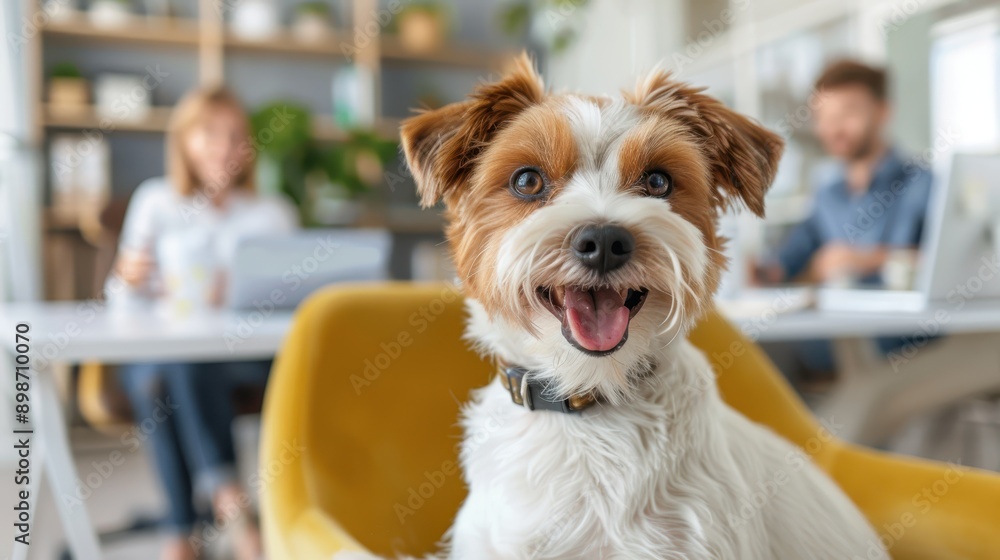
(441, 146)
(744, 154)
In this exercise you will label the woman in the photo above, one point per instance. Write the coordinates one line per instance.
(197, 214)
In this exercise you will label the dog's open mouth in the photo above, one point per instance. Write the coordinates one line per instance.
(594, 320)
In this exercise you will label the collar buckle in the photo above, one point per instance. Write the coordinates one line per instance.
(531, 394)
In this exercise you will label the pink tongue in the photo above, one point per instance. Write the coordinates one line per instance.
(598, 319)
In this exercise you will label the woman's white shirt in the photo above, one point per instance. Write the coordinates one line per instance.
(171, 228)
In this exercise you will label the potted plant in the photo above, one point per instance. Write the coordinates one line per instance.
(68, 91)
(325, 182)
(553, 24)
(110, 13)
(422, 26)
(312, 21)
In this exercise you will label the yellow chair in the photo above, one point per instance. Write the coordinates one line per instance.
(359, 436)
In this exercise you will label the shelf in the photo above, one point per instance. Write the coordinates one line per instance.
(156, 121)
(451, 54)
(286, 43)
(140, 29)
(326, 130)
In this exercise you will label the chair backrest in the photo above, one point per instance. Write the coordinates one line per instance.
(366, 394)
(376, 375)
(360, 439)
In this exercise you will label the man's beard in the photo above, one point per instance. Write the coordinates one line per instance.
(867, 145)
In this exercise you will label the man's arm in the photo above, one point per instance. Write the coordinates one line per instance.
(794, 256)
(839, 260)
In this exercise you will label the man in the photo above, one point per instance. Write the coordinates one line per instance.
(874, 203)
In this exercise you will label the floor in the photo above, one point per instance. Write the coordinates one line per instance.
(108, 502)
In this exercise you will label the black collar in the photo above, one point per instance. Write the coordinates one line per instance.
(533, 394)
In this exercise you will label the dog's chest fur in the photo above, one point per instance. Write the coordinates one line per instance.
(625, 482)
(674, 474)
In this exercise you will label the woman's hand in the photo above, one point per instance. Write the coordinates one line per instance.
(134, 267)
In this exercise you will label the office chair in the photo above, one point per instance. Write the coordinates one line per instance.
(364, 398)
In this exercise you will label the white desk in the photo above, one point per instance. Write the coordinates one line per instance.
(769, 324)
(75, 332)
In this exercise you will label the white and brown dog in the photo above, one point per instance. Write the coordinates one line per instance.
(584, 233)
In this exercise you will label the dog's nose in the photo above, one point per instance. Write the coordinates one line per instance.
(603, 247)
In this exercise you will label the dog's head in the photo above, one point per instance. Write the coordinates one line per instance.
(588, 225)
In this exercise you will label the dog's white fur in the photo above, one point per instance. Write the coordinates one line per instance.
(664, 469)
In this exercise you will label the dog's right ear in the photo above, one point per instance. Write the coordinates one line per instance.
(441, 146)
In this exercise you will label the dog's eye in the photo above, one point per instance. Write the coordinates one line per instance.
(527, 183)
(657, 183)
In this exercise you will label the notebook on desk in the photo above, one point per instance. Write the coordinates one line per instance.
(756, 302)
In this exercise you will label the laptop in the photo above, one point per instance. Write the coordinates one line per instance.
(961, 247)
(281, 271)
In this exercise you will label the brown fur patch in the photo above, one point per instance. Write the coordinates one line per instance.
(540, 137)
(441, 146)
(744, 154)
(665, 144)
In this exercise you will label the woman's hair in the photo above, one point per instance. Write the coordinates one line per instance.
(190, 111)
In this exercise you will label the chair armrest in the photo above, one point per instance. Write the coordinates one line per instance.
(923, 509)
(316, 535)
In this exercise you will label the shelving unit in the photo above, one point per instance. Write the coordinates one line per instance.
(207, 42)
(141, 29)
(213, 43)
(155, 121)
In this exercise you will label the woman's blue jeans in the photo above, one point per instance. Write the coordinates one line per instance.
(184, 415)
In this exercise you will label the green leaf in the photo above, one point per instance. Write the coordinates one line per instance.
(514, 18)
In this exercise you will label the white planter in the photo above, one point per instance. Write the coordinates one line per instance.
(122, 97)
(109, 13)
(255, 20)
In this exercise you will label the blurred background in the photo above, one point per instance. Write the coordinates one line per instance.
(87, 88)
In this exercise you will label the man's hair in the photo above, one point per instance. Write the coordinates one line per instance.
(851, 72)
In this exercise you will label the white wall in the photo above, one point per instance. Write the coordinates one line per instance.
(620, 40)
(20, 184)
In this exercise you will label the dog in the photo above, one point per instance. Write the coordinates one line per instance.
(583, 230)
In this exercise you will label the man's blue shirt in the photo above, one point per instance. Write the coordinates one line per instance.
(890, 213)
